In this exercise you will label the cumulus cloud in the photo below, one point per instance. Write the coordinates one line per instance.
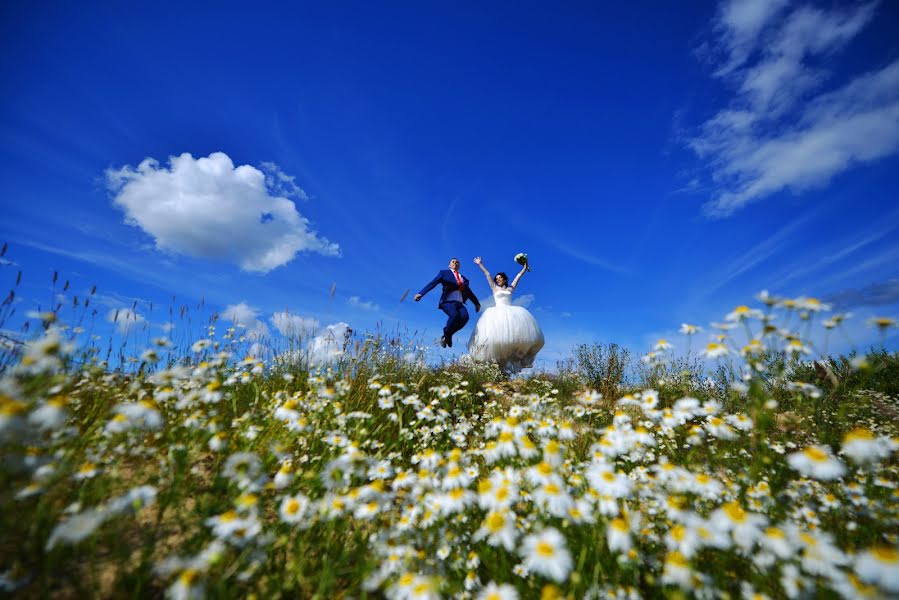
(330, 345)
(208, 208)
(781, 129)
(293, 326)
(245, 318)
(357, 302)
(125, 319)
(523, 300)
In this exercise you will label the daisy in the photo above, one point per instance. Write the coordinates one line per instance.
(293, 508)
(618, 536)
(554, 498)
(819, 554)
(188, 586)
(811, 304)
(662, 345)
(744, 527)
(688, 329)
(605, 480)
(775, 541)
(589, 397)
(526, 448)
(492, 591)
(546, 553)
(541, 473)
(455, 477)
(817, 462)
(284, 476)
(677, 570)
(879, 565)
(795, 346)
(861, 446)
(715, 350)
(719, 428)
(76, 528)
(50, 415)
(742, 313)
(499, 529)
(552, 452)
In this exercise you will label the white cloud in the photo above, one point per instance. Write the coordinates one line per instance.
(125, 319)
(780, 130)
(293, 326)
(329, 345)
(738, 25)
(523, 300)
(246, 319)
(357, 302)
(208, 208)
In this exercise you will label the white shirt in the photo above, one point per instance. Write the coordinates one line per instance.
(456, 295)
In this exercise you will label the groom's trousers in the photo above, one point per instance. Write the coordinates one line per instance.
(458, 317)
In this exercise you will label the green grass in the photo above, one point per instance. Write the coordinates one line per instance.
(335, 426)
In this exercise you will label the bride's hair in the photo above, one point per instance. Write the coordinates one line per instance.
(503, 275)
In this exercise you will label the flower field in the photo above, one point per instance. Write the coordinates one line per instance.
(209, 473)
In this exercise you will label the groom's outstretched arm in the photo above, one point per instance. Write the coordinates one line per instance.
(427, 288)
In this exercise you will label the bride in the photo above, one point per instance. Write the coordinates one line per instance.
(506, 334)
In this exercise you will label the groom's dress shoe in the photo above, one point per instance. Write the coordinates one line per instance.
(449, 342)
(443, 342)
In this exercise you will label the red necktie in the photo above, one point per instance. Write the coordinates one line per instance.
(459, 280)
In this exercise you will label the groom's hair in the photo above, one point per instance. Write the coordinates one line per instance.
(504, 276)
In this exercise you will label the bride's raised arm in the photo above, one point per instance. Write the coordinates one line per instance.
(524, 268)
(477, 261)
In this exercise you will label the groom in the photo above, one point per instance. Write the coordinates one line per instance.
(452, 300)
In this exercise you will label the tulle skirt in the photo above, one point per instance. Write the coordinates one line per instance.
(508, 335)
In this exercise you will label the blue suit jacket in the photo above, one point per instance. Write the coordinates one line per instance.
(448, 280)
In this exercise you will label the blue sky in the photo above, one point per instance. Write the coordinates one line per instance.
(659, 163)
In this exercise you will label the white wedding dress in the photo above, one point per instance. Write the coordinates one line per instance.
(506, 334)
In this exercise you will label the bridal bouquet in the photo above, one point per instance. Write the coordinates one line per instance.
(522, 259)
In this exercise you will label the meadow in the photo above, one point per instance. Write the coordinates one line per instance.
(751, 467)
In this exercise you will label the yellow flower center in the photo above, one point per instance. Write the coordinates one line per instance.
(189, 577)
(816, 454)
(495, 522)
(735, 512)
(885, 554)
(859, 434)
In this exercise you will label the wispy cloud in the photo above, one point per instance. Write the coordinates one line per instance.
(780, 130)
(757, 255)
(837, 252)
(881, 293)
(578, 254)
(208, 208)
(887, 258)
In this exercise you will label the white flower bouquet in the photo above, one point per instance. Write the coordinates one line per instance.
(522, 259)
